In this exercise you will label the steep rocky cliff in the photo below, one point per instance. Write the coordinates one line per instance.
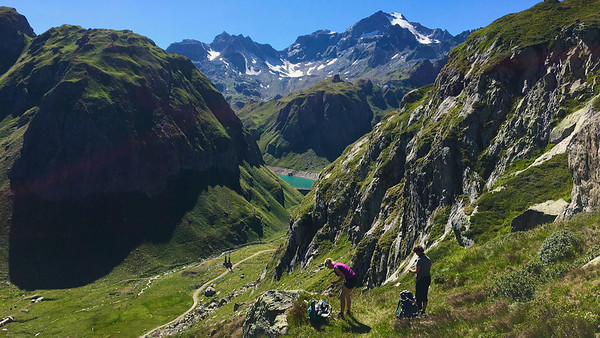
(584, 156)
(512, 94)
(108, 144)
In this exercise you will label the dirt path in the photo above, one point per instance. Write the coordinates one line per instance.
(197, 292)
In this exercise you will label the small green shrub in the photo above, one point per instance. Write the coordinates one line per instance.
(521, 284)
(559, 246)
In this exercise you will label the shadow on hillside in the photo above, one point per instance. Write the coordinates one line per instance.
(353, 325)
(72, 243)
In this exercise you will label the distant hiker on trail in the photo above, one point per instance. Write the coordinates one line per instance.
(423, 277)
(227, 264)
(348, 277)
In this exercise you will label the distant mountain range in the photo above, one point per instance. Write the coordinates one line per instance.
(397, 54)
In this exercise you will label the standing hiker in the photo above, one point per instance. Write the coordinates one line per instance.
(348, 277)
(423, 277)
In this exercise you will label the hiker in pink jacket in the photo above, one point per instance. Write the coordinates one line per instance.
(348, 277)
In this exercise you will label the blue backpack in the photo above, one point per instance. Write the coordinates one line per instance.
(319, 311)
(407, 306)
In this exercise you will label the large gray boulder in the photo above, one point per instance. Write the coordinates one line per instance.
(267, 316)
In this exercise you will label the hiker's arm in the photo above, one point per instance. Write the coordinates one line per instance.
(340, 274)
(415, 270)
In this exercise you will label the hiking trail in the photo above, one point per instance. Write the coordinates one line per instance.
(155, 332)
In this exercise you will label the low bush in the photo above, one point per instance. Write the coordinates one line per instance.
(520, 285)
(559, 246)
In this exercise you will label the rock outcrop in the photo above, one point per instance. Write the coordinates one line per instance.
(584, 157)
(538, 214)
(267, 316)
(14, 33)
(495, 102)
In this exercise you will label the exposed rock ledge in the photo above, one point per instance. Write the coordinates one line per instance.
(538, 214)
(584, 156)
(266, 317)
(293, 172)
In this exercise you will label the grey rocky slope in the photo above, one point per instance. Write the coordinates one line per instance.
(399, 54)
(498, 101)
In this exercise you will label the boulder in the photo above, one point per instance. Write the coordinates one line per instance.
(210, 291)
(6, 320)
(266, 317)
(538, 214)
(593, 263)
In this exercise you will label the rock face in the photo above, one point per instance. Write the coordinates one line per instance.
(492, 104)
(109, 143)
(538, 214)
(266, 317)
(584, 156)
(322, 120)
(14, 32)
(387, 48)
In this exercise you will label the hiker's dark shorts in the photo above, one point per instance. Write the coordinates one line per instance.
(350, 283)
(422, 288)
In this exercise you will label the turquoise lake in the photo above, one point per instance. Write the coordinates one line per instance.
(297, 182)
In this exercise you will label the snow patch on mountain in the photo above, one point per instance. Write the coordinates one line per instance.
(400, 20)
(286, 69)
(212, 55)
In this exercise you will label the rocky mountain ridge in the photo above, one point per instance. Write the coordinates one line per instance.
(426, 169)
(385, 48)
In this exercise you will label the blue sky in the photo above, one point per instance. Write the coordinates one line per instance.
(277, 22)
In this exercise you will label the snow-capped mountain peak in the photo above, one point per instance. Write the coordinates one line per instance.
(379, 46)
(400, 20)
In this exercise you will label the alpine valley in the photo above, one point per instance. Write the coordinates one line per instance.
(128, 184)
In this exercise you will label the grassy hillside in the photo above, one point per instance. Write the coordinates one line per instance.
(539, 24)
(486, 290)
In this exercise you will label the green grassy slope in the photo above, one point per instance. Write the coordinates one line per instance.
(539, 24)
(475, 292)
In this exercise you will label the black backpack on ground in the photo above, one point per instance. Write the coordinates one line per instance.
(407, 306)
